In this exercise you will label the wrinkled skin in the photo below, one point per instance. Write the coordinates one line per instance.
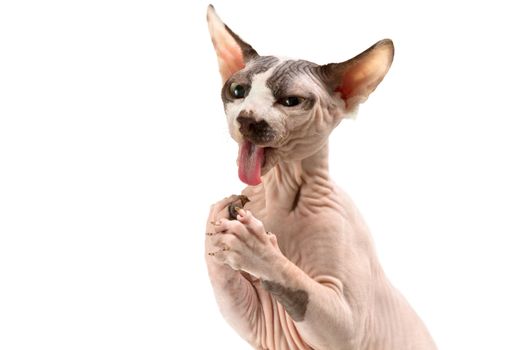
(296, 269)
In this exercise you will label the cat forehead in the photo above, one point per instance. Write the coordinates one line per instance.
(283, 69)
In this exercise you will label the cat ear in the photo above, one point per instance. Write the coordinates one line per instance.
(356, 78)
(232, 52)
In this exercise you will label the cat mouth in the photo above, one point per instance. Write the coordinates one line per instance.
(253, 161)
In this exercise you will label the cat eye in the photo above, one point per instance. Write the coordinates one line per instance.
(237, 90)
(291, 101)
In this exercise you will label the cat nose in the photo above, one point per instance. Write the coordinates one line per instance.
(247, 124)
(258, 131)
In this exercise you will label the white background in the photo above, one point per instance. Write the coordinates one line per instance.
(113, 144)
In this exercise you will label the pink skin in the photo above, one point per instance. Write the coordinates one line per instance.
(322, 254)
(319, 245)
(244, 243)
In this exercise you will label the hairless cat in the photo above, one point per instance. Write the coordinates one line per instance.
(291, 261)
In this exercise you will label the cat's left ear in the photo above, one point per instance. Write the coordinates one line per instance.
(358, 77)
(232, 52)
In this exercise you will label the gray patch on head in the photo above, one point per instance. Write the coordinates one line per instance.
(256, 66)
(284, 74)
(261, 65)
(294, 301)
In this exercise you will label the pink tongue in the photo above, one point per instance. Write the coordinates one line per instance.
(251, 159)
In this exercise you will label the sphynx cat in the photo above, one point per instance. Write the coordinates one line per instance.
(292, 265)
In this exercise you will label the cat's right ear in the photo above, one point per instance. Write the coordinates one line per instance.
(355, 79)
(232, 52)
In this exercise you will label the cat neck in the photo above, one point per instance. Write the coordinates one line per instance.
(287, 180)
